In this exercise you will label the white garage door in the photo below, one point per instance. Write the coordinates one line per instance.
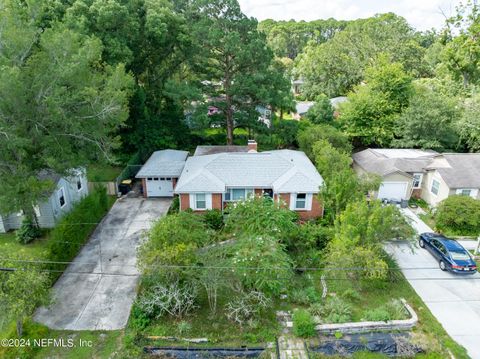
(159, 187)
(393, 190)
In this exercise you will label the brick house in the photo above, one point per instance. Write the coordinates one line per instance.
(212, 179)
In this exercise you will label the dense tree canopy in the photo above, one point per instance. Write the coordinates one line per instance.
(370, 113)
(60, 105)
(289, 38)
(336, 66)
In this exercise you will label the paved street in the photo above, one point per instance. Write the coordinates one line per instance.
(100, 297)
(454, 300)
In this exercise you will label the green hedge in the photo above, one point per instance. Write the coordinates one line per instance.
(459, 215)
(74, 229)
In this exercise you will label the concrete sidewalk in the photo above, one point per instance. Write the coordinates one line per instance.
(453, 299)
(97, 290)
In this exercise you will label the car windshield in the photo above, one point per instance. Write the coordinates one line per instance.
(459, 255)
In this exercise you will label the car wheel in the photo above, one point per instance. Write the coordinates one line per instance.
(421, 243)
(443, 266)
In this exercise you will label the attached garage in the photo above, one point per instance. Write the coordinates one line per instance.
(160, 173)
(393, 190)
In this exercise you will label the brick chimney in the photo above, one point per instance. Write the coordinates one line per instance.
(252, 146)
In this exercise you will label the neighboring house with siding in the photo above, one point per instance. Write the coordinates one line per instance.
(401, 170)
(452, 174)
(212, 181)
(68, 191)
(422, 174)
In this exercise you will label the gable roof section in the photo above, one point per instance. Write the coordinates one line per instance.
(284, 171)
(461, 170)
(164, 163)
(387, 161)
(210, 150)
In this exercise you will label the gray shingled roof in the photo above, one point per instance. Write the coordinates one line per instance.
(463, 170)
(284, 171)
(210, 150)
(386, 161)
(167, 163)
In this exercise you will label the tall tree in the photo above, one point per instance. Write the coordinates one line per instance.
(370, 112)
(60, 106)
(336, 66)
(233, 62)
(151, 38)
(469, 124)
(428, 122)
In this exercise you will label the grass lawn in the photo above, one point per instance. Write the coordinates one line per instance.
(103, 173)
(35, 250)
(76, 345)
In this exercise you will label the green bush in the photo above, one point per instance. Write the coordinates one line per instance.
(74, 229)
(139, 320)
(336, 310)
(351, 294)
(307, 295)
(393, 310)
(27, 232)
(213, 219)
(459, 214)
(303, 324)
(175, 206)
(379, 314)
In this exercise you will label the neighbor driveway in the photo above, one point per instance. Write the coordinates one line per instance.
(97, 290)
(454, 300)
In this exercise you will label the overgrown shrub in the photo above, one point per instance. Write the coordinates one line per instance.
(174, 299)
(459, 214)
(268, 255)
(175, 206)
(172, 241)
(303, 324)
(307, 295)
(336, 310)
(393, 310)
(307, 244)
(139, 320)
(261, 216)
(351, 294)
(27, 232)
(213, 219)
(73, 230)
(246, 307)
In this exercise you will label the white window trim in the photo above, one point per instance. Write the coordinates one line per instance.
(431, 187)
(419, 181)
(308, 202)
(79, 180)
(193, 201)
(62, 190)
(247, 191)
(473, 191)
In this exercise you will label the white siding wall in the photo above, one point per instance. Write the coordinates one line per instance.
(50, 210)
(443, 191)
(2, 227)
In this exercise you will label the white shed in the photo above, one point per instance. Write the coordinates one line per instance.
(160, 173)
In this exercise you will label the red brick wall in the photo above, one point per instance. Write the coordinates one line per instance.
(315, 212)
(258, 192)
(184, 201)
(174, 182)
(217, 201)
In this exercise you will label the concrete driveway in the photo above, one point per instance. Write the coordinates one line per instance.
(97, 290)
(454, 300)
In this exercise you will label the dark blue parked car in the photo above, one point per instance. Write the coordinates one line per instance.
(450, 254)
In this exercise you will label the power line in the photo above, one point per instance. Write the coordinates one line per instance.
(176, 266)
